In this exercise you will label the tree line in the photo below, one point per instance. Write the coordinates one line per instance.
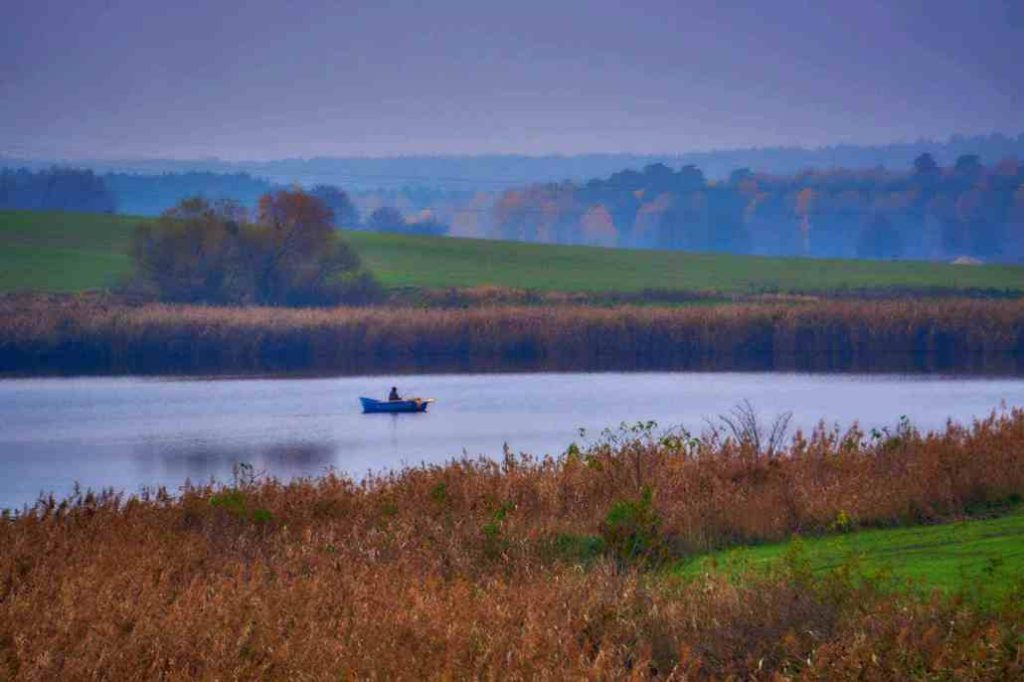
(56, 189)
(485, 172)
(967, 209)
(73, 189)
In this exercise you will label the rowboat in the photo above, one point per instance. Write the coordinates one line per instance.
(407, 405)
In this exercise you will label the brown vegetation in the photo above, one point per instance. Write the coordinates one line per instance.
(198, 252)
(471, 297)
(499, 570)
(53, 335)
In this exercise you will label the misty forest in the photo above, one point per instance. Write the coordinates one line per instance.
(968, 209)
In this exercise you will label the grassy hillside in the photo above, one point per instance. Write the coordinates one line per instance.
(62, 252)
(432, 262)
(70, 252)
(985, 555)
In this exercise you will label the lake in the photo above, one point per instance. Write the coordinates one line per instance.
(127, 433)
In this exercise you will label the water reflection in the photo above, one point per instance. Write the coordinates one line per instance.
(199, 460)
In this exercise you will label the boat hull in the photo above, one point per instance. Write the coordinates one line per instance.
(371, 406)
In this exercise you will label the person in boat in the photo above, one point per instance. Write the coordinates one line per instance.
(394, 394)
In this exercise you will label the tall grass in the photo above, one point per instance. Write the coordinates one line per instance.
(487, 569)
(39, 335)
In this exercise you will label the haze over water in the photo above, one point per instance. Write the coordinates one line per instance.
(127, 433)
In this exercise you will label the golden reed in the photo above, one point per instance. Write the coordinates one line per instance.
(72, 335)
(463, 571)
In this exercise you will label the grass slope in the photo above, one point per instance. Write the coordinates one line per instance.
(431, 262)
(73, 252)
(62, 252)
(984, 557)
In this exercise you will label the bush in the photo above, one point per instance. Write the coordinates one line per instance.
(199, 252)
(237, 505)
(631, 531)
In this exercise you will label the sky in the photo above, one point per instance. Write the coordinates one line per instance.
(261, 80)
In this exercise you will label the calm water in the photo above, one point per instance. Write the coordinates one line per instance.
(129, 433)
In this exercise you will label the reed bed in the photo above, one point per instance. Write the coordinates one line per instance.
(481, 569)
(41, 335)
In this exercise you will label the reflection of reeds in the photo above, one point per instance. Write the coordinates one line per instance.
(78, 336)
(469, 570)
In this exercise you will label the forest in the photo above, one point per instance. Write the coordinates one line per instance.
(60, 189)
(403, 211)
(967, 210)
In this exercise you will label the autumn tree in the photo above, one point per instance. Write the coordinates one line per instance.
(925, 212)
(386, 219)
(925, 165)
(879, 239)
(740, 176)
(968, 168)
(345, 214)
(300, 258)
(191, 254)
(210, 253)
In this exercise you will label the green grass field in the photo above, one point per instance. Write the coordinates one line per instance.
(62, 252)
(73, 252)
(433, 262)
(984, 558)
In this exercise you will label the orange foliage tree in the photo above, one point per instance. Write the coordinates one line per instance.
(202, 252)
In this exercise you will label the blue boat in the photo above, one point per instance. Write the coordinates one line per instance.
(408, 405)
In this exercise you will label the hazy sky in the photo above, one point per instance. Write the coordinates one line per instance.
(262, 79)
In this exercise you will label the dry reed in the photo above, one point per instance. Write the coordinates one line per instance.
(62, 336)
(466, 570)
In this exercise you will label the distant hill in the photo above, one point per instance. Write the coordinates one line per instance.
(497, 172)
